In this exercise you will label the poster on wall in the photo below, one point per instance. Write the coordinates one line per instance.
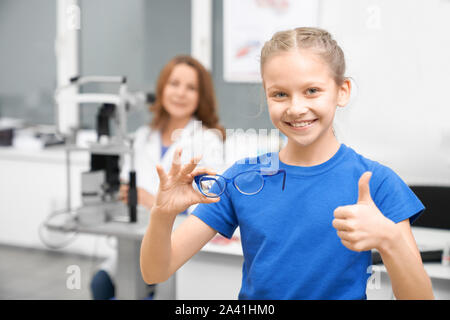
(249, 23)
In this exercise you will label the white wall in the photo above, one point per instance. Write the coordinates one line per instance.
(398, 54)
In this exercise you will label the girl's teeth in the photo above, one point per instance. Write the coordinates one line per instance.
(301, 124)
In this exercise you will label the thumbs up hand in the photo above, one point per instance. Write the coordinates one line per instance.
(362, 226)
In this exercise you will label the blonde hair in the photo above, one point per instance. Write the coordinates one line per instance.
(315, 39)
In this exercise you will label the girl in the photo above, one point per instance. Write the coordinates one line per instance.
(184, 115)
(312, 240)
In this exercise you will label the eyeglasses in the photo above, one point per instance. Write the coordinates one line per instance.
(248, 182)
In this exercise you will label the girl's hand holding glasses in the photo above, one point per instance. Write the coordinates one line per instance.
(176, 193)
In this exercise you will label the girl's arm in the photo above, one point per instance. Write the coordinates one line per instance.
(162, 252)
(403, 263)
(363, 227)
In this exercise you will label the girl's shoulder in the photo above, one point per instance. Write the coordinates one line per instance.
(391, 194)
(367, 164)
(383, 176)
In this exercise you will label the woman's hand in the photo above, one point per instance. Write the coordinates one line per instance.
(144, 198)
(362, 226)
(176, 193)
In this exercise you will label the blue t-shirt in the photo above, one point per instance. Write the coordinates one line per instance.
(291, 250)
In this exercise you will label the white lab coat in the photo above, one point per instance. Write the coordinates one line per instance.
(194, 140)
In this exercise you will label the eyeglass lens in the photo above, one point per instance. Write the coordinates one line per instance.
(212, 186)
(249, 182)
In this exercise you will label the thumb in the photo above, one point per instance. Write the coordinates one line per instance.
(363, 188)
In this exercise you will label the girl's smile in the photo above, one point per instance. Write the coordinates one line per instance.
(302, 125)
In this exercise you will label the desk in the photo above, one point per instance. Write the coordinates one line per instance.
(427, 240)
(129, 282)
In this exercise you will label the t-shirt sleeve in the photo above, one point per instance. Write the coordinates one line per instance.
(221, 215)
(395, 199)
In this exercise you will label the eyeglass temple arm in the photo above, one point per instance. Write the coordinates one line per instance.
(284, 177)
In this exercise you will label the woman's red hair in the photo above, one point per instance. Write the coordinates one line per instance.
(206, 111)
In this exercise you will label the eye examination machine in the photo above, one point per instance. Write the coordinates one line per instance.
(101, 211)
(100, 185)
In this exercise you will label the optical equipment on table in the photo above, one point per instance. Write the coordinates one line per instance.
(100, 185)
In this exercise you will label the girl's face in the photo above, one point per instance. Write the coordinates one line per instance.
(302, 96)
(180, 95)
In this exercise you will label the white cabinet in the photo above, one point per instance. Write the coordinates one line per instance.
(32, 185)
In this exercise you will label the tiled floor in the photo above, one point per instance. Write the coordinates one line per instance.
(41, 274)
